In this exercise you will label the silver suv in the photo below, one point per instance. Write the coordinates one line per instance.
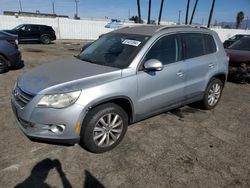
(125, 76)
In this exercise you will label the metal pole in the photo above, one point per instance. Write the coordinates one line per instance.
(76, 1)
(159, 20)
(186, 21)
(195, 5)
(211, 14)
(247, 23)
(179, 19)
(149, 11)
(20, 5)
(139, 10)
(53, 7)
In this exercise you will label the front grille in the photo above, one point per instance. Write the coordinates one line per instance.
(22, 97)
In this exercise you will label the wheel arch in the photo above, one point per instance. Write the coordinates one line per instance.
(221, 76)
(8, 62)
(123, 101)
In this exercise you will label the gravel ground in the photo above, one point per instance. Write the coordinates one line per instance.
(186, 147)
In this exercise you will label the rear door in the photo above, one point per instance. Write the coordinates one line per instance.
(158, 90)
(201, 63)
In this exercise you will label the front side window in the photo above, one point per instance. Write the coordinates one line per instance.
(166, 50)
(114, 50)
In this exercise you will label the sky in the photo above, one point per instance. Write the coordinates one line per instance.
(225, 10)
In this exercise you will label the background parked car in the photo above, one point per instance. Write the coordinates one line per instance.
(233, 39)
(33, 32)
(239, 64)
(114, 24)
(10, 55)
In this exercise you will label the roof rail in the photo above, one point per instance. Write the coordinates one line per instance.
(180, 26)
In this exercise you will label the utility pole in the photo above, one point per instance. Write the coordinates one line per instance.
(179, 18)
(76, 14)
(186, 21)
(159, 20)
(139, 10)
(211, 14)
(192, 17)
(247, 23)
(53, 7)
(149, 11)
(20, 5)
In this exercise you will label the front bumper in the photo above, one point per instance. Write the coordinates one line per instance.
(37, 125)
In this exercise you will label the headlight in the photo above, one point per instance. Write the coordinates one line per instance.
(59, 100)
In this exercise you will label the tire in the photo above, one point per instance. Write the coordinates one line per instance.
(3, 64)
(212, 94)
(45, 39)
(97, 135)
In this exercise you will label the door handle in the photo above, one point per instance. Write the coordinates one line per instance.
(211, 65)
(180, 73)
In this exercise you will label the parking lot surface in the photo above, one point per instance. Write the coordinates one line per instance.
(186, 147)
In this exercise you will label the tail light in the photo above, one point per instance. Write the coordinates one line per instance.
(14, 42)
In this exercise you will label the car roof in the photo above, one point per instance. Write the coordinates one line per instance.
(37, 25)
(150, 30)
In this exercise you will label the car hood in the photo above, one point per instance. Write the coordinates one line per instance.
(238, 55)
(66, 75)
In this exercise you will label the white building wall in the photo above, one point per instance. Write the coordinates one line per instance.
(85, 29)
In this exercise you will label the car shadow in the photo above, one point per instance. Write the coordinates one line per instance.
(186, 110)
(40, 172)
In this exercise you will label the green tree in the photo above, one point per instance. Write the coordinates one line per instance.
(135, 19)
(239, 19)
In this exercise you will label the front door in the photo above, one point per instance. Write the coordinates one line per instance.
(158, 90)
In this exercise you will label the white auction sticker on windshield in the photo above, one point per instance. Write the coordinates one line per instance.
(131, 42)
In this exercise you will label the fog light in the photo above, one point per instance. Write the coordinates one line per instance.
(57, 129)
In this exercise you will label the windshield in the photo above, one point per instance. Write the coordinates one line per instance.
(114, 50)
(17, 27)
(243, 44)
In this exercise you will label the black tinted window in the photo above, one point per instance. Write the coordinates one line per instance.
(210, 46)
(194, 46)
(34, 28)
(197, 44)
(165, 50)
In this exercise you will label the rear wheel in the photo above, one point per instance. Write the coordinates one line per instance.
(104, 127)
(45, 39)
(3, 64)
(213, 94)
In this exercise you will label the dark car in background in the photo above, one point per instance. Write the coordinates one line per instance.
(232, 40)
(10, 55)
(239, 64)
(34, 32)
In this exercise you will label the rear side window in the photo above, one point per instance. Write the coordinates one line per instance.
(34, 28)
(210, 46)
(165, 50)
(198, 44)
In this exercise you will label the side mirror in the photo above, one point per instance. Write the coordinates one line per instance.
(153, 65)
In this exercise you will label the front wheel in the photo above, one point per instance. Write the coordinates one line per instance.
(103, 128)
(213, 94)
